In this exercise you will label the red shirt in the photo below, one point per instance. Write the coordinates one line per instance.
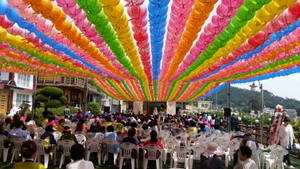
(157, 143)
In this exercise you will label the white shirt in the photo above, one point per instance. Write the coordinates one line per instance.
(247, 164)
(80, 164)
(286, 135)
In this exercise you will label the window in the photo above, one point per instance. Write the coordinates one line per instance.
(23, 80)
(21, 98)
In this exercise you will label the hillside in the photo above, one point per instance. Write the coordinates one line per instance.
(242, 99)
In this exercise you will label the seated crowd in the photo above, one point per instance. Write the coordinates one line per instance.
(139, 129)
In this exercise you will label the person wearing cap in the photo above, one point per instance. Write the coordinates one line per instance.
(28, 152)
(209, 158)
(245, 159)
(249, 141)
(67, 135)
(286, 139)
(49, 138)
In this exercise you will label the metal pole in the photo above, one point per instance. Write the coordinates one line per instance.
(228, 102)
(216, 101)
(33, 96)
(262, 111)
(112, 104)
(85, 97)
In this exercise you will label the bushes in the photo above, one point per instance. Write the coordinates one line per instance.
(56, 111)
(51, 97)
(94, 107)
(42, 98)
(63, 99)
(53, 103)
(52, 92)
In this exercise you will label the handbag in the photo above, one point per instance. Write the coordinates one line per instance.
(296, 147)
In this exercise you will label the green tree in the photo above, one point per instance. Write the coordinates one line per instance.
(94, 108)
(51, 97)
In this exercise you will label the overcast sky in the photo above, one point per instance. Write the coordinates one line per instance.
(285, 86)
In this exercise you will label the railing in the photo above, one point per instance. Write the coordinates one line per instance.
(63, 81)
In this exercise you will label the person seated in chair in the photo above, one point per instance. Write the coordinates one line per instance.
(49, 138)
(67, 135)
(110, 133)
(209, 158)
(28, 152)
(18, 131)
(245, 159)
(77, 155)
(130, 138)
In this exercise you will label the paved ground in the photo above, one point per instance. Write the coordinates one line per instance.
(109, 164)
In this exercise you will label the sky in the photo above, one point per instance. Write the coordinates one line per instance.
(284, 86)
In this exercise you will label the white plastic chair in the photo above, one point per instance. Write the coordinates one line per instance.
(256, 154)
(90, 135)
(31, 130)
(66, 146)
(237, 140)
(40, 131)
(183, 138)
(18, 141)
(2, 148)
(197, 151)
(223, 143)
(151, 151)
(80, 138)
(110, 145)
(275, 158)
(233, 146)
(126, 153)
(169, 145)
(57, 135)
(40, 144)
(80, 132)
(93, 145)
(266, 155)
(165, 134)
(181, 155)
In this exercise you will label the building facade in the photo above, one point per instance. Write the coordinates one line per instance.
(15, 90)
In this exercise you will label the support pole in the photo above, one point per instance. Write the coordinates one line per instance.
(33, 96)
(85, 96)
(261, 112)
(228, 104)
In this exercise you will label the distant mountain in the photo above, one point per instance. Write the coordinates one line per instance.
(243, 99)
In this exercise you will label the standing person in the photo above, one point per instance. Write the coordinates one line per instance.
(217, 120)
(77, 155)
(286, 139)
(67, 111)
(28, 152)
(245, 161)
(232, 121)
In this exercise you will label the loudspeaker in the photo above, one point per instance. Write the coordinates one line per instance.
(227, 112)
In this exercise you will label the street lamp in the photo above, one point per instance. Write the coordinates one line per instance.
(253, 86)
